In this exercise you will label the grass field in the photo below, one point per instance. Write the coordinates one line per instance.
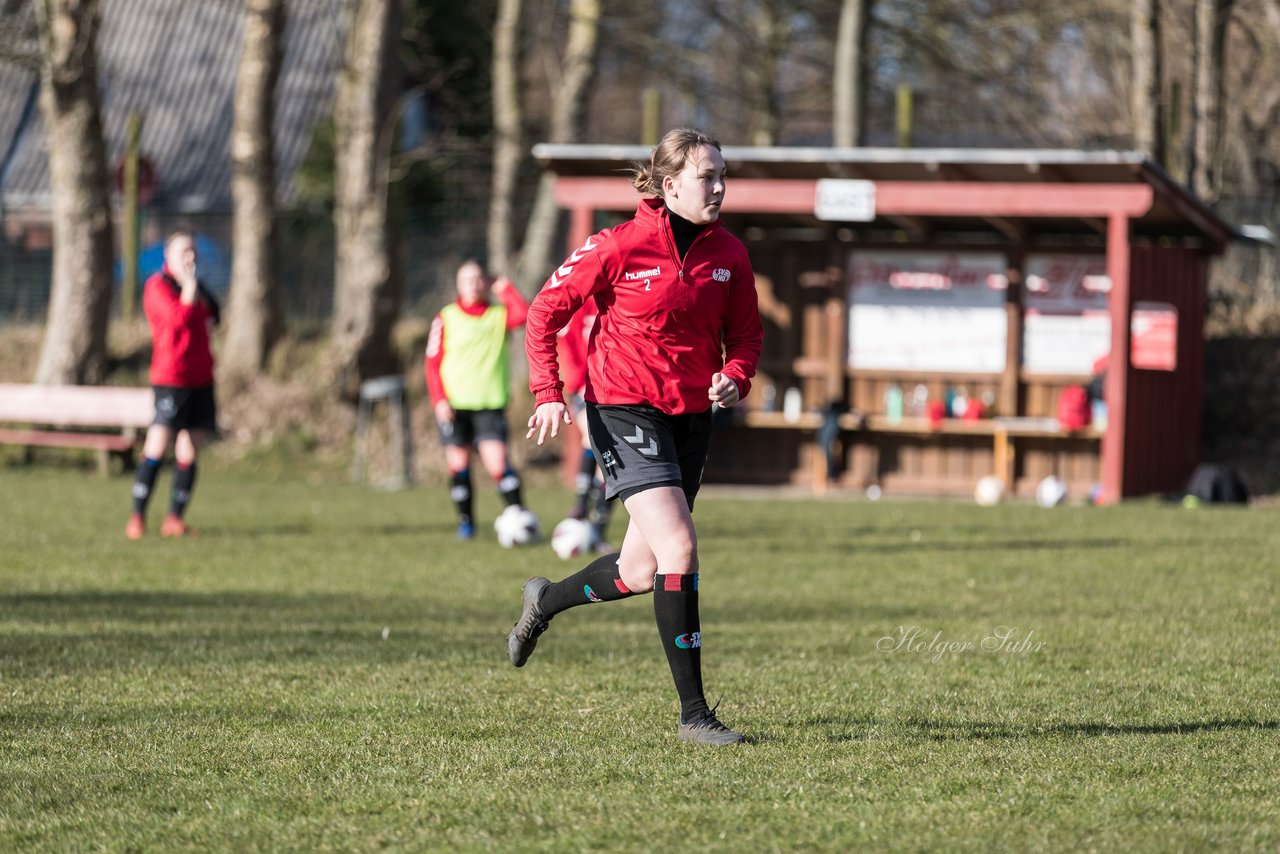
(324, 669)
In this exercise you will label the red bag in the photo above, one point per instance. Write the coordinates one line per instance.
(1073, 408)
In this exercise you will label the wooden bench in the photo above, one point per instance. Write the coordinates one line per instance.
(1005, 433)
(105, 419)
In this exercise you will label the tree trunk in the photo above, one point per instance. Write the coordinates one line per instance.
(366, 282)
(1210, 51)
(507, 136)
(848, 86)
(568, 110)
(761, 71)
(1144, 27)
(75, 340)
(254, 316)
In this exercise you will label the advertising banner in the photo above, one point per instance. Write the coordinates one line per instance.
(927, 311)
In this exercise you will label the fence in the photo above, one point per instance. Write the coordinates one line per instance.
(430, 248)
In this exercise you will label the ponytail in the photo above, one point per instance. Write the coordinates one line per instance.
(668, 158)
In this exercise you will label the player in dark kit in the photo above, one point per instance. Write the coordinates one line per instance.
(180, 311)
(678, 331)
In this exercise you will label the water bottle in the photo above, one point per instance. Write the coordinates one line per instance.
(893, 403)
(792, 405)
(769, 398)
(919, 400)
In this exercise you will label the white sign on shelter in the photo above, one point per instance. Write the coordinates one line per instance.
(839, 200)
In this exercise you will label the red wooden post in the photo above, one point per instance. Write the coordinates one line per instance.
(1117, 381)
(581, 226)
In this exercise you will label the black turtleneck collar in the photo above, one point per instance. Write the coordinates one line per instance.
(683, 231)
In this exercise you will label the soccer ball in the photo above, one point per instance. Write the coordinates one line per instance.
(989, 491)
(1051, 492)
(572, 537)
(516, 526)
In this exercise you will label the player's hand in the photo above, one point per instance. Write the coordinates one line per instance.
(723, 391)
(548, 417)
(500, 284)
(186, 274)
(444, 412)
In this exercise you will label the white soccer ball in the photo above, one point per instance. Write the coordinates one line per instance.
(1051, 492)
(516, 526)
(989, 491)
(572, 537)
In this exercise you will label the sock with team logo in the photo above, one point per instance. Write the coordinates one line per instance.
(184, 481)
(460, 492)
(598, 581)
(585, 483)
(675, 607)
(144, 480)
(509, 487)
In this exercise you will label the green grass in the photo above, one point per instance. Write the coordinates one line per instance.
(324, 669)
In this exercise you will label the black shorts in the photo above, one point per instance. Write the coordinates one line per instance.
(474, 425)
(182, 408)
(640, 447)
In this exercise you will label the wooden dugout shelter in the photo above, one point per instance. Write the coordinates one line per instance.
(922, 274)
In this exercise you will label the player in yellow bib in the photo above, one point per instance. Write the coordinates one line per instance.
(468, 378)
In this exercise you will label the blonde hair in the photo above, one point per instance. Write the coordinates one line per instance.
(668, 158)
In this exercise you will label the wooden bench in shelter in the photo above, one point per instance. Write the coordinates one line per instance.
(108, 420)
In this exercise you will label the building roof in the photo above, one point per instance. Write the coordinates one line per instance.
(1174, 212)
(175, 63)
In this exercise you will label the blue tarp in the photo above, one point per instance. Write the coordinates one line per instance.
(213, 264)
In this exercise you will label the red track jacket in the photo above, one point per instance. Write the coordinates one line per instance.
(665, 325)
(180, 354)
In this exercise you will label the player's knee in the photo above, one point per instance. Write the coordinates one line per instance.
(638, 576)
(679, 557)
(639, 582)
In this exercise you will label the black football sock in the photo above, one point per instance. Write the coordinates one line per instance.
(598, 581)
(184, 481)
(144, 480)
(586, 477)
(675, 607)
(509, 487)
(601, 508)
(460, 492)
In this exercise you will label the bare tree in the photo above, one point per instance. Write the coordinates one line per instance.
(769, 37)
(507, 120)
(1147, 107)
(75, 339)
(19, 38)
(254, 316)
(1211, 20)
(848, 87)
(568, 111)
(367, 289)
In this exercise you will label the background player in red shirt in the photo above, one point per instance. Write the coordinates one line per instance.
(678, 331)
(180, 311)
(589, 501)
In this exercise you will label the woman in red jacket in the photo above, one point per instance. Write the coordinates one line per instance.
(180, 311)
(678, 332)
